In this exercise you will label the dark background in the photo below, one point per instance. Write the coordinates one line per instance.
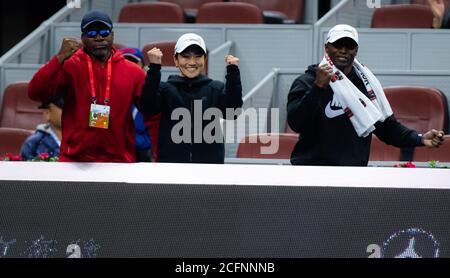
(216, 221)
(20, 18)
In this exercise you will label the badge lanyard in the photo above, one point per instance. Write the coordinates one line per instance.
(108, 80)
(99, 114)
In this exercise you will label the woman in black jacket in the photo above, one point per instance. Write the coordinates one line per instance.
(187, 134)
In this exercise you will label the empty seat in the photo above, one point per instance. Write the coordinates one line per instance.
(167, 48)
(441, 154)
(190, 4)
(252, 146)
(239, 13)
(190, 7)
(288, 11)
(152, 12)
(419, 108)
(18, 110)
(402, 16)
(11, 140)
(380, 151)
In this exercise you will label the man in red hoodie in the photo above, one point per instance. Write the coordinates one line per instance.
(100, 86)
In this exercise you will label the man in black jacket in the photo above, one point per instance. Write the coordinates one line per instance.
(327, 136)
(190, 104)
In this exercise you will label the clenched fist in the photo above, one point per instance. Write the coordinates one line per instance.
(323, 75)
(155, 55)
(68, 47)
(433, 138)
(231, 60)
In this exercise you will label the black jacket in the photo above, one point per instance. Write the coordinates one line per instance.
(327, 136)
(181, 92)
(446, 19)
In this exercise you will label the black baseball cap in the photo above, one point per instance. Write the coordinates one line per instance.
(56, 100)
(95, 16)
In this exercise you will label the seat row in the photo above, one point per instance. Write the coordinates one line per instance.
(415, 15)
(213, 11)
(251, 147)
(418, 14)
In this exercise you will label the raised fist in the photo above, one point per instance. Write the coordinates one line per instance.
(155, 55)
(323, 75)
(231, 60)
(68, 47)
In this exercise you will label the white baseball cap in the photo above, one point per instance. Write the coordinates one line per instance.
(342, 31)
(187, 40)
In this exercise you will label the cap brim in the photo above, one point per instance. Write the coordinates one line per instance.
(334, 39)
(97, 20)
(183, 48)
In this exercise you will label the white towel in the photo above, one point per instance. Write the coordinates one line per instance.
(374, 89)
(362, 111)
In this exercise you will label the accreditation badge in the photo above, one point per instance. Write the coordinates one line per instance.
(99, 116)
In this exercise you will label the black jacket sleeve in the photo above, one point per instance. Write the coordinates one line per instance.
(303, 103)
(233, 87)
(394, 133)
(232, 92)
(151, 91)
(446, 20)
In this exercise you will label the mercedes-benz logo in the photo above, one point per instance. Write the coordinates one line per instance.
(411, 243)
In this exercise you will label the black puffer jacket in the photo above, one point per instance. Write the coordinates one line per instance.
(181, 92)
(327, 136)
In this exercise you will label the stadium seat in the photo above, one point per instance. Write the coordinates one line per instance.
(18, 110)
(419, 108)
(442, 154)
(190, 7)
(402, 16)
(380, 151)
(248, 149)
(277, 11)
(167, 48)
(229, 13)
(151, 12)
(11, 140)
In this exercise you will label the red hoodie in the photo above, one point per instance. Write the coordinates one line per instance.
(79, 141)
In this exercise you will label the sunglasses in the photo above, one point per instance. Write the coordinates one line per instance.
(93, 33)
